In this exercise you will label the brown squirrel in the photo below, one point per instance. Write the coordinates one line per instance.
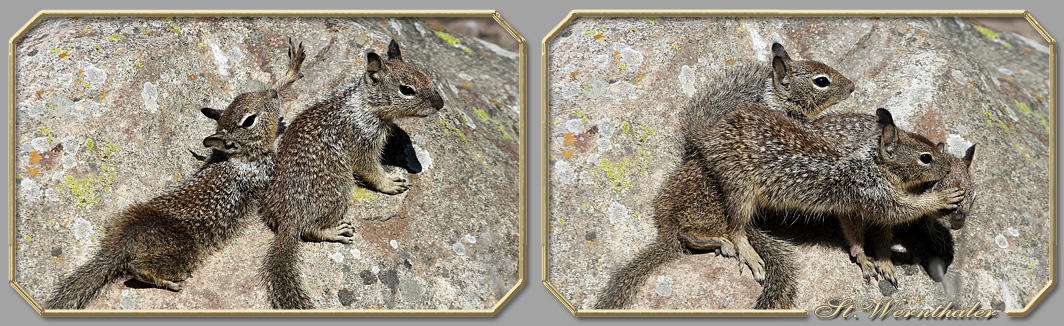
(320, 154)
(161, 241)
(801, 89)
(765, 160)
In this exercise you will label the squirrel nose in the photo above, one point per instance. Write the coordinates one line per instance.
(437, 101)
(271, 93)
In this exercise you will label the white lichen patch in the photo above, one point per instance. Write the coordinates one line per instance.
(41, 144)
(220, 59)
(337, 257)
(957, 145)
(356, 253)
(30, 190)
(95, 76)
(82, 229)
(574, 126)
(459, 248)
(423, 157)
(630, 58)
(150, 95)
(499, 50)
(1001, 241)
(394, 244)
(470, 238)
(564, 171)
(663, 287)
(128, 301)
(687, 80)
(1013, 232)
(618, 213)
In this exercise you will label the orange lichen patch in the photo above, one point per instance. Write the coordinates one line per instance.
(176, 175)
(638, 78)
(496, 102)
(729, 62)
(380, 46)
(568, 153)
(103, 95)
(433, 25)
(900, 49)
(467, 84)
(486, 55)
(33, 171)
(1006, 78)
(573, 75)
(1039, 97)
(569, 139)
(922, 35)
(64, 55)
(598, 36)
(35, 157)
(192, 77)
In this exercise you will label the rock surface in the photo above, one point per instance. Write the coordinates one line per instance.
(108, 109)
(616, 86)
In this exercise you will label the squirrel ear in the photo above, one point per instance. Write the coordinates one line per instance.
(941, 147)
(781, 71)
(968, 156)
(214, 114)
(888, 140)
(779, 51)
(374, 65)
(393, 51)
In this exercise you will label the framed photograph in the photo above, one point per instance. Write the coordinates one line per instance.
(672, 138)
(237, 163)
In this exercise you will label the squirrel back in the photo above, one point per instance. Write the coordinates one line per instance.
(800, 88)
(161, 241)
(320, 154)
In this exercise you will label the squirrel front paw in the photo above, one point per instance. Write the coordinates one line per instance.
(394, 186)
(885, 268)
(950, 198)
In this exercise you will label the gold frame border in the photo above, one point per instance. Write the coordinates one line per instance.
(522, 162)
(545, 90)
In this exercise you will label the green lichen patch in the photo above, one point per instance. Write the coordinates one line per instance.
(362, 194)
(622, 175)
(486, 118)
(88, 190)
(990, 35)
(644, 132)
(447, 128)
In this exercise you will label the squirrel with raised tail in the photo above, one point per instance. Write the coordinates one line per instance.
(319, 157)
(161, 241)
(801, 89)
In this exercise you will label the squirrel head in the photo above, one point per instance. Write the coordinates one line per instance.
(912, 162)
(396, 89)
(246, 128)
(957, 177)
(805, 86)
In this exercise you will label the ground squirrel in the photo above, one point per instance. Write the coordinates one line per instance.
(325, 147)
(764, 160)
(161, 241)
(800, 88)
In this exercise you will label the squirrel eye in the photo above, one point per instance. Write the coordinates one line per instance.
(406, 90)
(925, 158)
(249, 121)
(821, 81)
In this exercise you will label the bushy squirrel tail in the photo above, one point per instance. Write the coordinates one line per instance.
(625, 282)
(281, 274)
(779, 290)
(80, 287)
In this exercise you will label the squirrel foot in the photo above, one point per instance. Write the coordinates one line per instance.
(885, 268)
(341, 233)
(395, 186)
(726, 249)
(868, 267)
(749, 257)
(170, 286)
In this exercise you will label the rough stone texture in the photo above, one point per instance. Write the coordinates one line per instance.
(616, 86)
(108, 109)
